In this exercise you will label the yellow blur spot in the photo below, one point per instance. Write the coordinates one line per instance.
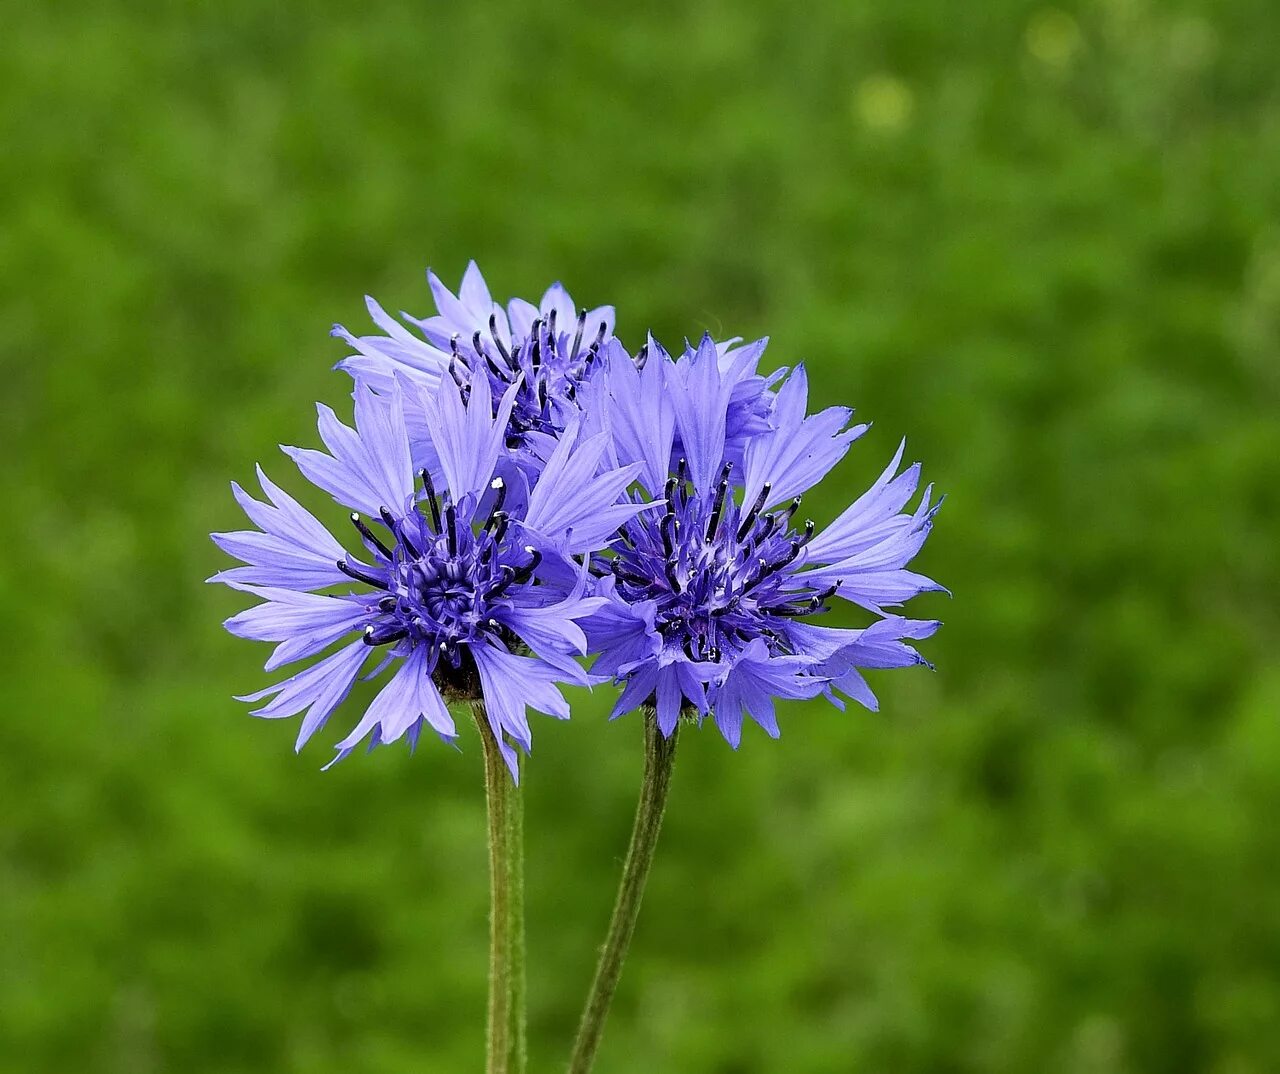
(1053, 38)
(883, 103)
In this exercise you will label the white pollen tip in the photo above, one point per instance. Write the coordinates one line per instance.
(496, 483)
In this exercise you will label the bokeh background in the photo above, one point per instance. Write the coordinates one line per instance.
(1042, 240)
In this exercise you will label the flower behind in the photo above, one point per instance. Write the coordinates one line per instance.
(710, 593)
(451, 586)
(545, 352)
(547, 356)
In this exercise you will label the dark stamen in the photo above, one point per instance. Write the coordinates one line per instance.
(805, 606)
(577, 336)
(669, 569)
(749, 519)
(793, 611)
(668, 528)
(526, 572)
(778, 564)
(451, 528)
(497, 342)
(369, 536)
(624, 575)
(500, 487)
(498, 371)
(500, 586)
(432, 502)
(355, 569)
(501, 521)
(769, 528)
(717, 505)
(398, 531)
(457, 351)
(384, 634)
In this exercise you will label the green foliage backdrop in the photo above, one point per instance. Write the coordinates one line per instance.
(1041, 241)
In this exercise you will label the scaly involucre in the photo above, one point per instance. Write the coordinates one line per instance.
(463, 591)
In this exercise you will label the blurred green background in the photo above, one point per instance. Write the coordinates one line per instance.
(1042, 241)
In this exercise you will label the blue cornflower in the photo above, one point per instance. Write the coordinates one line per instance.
(450, 587)
(709, 594)
(549, 353)
(545, 352)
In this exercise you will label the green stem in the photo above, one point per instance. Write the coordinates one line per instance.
(517, 1047)
(506, 1020)
(659, 758)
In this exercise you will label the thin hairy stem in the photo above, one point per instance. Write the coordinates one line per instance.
(506, 1021)
(659, 758)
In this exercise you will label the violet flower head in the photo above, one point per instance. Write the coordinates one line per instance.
(449, 586)
(544, 352)
(711, 593)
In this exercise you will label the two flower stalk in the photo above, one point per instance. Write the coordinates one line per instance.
(526, 492)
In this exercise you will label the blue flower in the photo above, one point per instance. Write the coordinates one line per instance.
(545, 352)
(450, 587)
(709, 594)
(549, 353)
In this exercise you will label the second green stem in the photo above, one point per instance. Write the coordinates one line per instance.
(659, 758)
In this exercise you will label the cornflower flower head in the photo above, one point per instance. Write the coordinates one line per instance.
(543, 352)
(448, 586)
(550, 353)
(712, 594)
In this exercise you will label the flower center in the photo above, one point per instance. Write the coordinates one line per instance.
(719, 575)
(443, 578)
(553, 363)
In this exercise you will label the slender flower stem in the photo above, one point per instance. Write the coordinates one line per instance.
(517, 1041)
(506, 1021)
(659, 758)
